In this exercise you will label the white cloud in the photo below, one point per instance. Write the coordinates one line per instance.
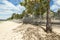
(4, 16)
(21, 8)
(8, 8)
(56, 5)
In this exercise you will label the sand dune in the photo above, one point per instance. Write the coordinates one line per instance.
(19, 31)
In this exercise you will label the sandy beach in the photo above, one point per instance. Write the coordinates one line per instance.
(6, 32)
(56, 28)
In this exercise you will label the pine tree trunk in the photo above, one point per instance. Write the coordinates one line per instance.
(48, 24)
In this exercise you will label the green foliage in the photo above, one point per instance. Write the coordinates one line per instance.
(57, 14)
(35, 6)
(17, 16)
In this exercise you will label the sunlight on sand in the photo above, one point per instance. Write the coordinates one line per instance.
(6, 32)
(10, 30)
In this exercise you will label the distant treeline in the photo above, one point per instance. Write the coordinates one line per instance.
(16, 16)
(20, 16)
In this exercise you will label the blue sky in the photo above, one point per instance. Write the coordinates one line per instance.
(8, 7)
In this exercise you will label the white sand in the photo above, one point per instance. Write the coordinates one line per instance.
(6, 32)
(56, 28)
